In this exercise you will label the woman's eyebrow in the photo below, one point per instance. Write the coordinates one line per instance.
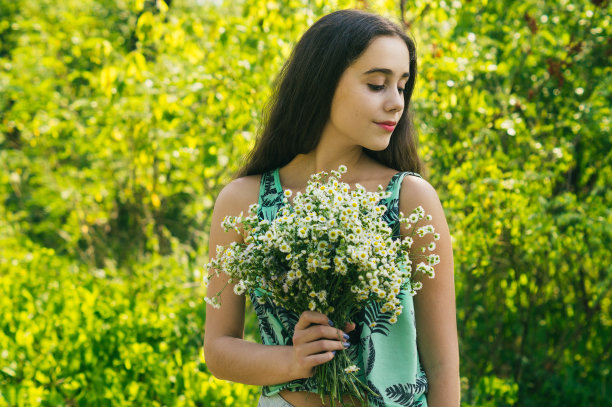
(385, 71)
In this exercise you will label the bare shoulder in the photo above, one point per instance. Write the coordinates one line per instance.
(238, 195)
(415, 192)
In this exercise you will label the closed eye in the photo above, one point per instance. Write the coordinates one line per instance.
(378, 88)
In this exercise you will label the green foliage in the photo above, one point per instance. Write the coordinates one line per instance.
(121, 120)
(492, 391)
(71, 335)
(516, 126)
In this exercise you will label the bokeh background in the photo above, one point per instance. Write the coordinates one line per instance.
(120, 120)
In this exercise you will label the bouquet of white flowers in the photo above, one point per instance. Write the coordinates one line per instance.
(328, 251)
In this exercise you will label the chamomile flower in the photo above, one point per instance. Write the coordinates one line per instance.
(433, 259)
(351, 369)
(329, 251)
(213, 302)
(239, 288)
(408, 241)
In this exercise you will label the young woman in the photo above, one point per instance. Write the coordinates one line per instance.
(342, 98)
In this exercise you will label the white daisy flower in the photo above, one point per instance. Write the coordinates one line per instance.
(213, 302)
(239, 288)
(351, 369)
(433, 259)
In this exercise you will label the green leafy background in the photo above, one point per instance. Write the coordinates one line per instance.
(120, 120)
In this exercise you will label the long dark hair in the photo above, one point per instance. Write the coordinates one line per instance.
(303, 92)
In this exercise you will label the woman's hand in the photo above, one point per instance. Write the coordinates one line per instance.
(315, 342)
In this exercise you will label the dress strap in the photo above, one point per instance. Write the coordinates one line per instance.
(391, 215)
(270, 195)
(396, 183)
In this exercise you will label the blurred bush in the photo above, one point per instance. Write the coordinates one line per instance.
(72, 335)
(121, 120)
(515, 119)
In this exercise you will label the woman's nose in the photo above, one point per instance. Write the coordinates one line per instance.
(395, 101)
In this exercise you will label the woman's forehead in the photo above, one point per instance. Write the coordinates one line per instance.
(385, 55)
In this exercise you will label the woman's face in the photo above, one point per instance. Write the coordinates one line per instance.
(369, 99)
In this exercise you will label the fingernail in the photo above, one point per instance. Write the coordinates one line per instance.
(345, 336)
(346, 344)
(334, 352)
(329, 321)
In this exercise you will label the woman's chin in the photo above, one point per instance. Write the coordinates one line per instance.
(377, 147)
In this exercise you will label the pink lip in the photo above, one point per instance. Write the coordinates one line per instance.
(388, 126)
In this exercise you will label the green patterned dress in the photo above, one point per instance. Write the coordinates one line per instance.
(386, 353)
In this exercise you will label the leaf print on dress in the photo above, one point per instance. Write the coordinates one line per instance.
(375, 400)
(263, 311)
(271, 197)
(378, 321)
(404, 394)
(288, 319)
(391, 215)
(371, 357)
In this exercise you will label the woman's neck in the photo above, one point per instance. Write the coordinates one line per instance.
(360, 166)
(324, 160)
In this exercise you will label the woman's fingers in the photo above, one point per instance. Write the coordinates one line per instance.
(316, 332)
(321, 346)
(311, 317)
(315, 341)
(317, 359)
(312, 354)
(350, 326)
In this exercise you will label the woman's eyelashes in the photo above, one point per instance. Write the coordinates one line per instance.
(378, 88)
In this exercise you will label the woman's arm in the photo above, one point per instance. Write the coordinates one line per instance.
(435, 303)
(228, 355)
